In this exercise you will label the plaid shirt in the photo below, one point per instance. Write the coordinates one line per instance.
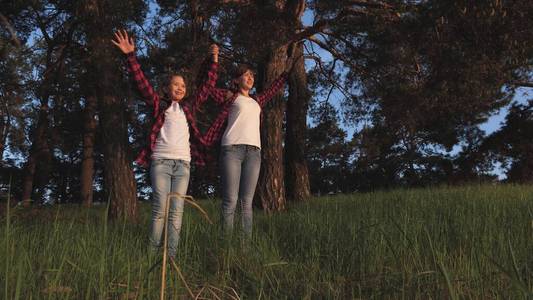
(159, 106)
(225, 99)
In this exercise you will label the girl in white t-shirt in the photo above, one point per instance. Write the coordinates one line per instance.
(237, 129)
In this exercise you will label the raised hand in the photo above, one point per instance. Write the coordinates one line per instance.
(123, 42)
(213, 50)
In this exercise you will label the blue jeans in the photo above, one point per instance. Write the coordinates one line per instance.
(240, 166)
(168, 175)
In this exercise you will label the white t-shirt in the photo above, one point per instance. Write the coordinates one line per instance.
(173, 139)
(243, 123)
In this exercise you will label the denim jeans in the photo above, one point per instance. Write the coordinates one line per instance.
(168, 175)
(240, 166)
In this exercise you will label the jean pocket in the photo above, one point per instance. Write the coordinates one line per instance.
(254, 149)
(158, 162)
(255, 152)
(229, 148)
(186, 164)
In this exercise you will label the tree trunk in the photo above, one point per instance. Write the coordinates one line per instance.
(38, 166)
(271, 186)
(119, 183)
(5, 125)
(27, 182)
(4, 129)
(297, 174)
(39, 153)
(87, 163)
(60, 194)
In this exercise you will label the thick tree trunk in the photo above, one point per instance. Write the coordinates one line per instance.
(27, 182)
(39, 153)
(60, 195)
(5, 125)
(4, 129)
(38, 166)
(271, 185)
(40, 156)
(119, 183)
(297, 174)
(87, 163)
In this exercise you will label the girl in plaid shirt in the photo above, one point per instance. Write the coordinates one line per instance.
(237, 129)
(174, 139)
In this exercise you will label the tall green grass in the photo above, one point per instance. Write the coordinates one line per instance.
(471, 242)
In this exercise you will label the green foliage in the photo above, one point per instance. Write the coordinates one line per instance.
(511, 145)
(422, 78)
(329, 154)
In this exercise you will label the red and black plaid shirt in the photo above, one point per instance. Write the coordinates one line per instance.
(152, 99)
(225, 99)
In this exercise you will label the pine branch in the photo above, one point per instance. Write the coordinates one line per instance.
(321, 25)
(333, 51)
(4, 21)
(366, 3)
(241, 2)
(327, 76)
(346, 42)
(523, 84)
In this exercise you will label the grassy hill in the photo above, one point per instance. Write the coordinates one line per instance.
(450, 242)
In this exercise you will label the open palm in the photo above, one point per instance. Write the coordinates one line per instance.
(123, 42)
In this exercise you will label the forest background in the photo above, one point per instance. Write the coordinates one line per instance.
(384, 94)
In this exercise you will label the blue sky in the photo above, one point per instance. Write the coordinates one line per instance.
(494, 123)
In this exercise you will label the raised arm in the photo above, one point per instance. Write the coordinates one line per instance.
(278, 84)
(272, 90)
(208, 84)
(127, 46)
